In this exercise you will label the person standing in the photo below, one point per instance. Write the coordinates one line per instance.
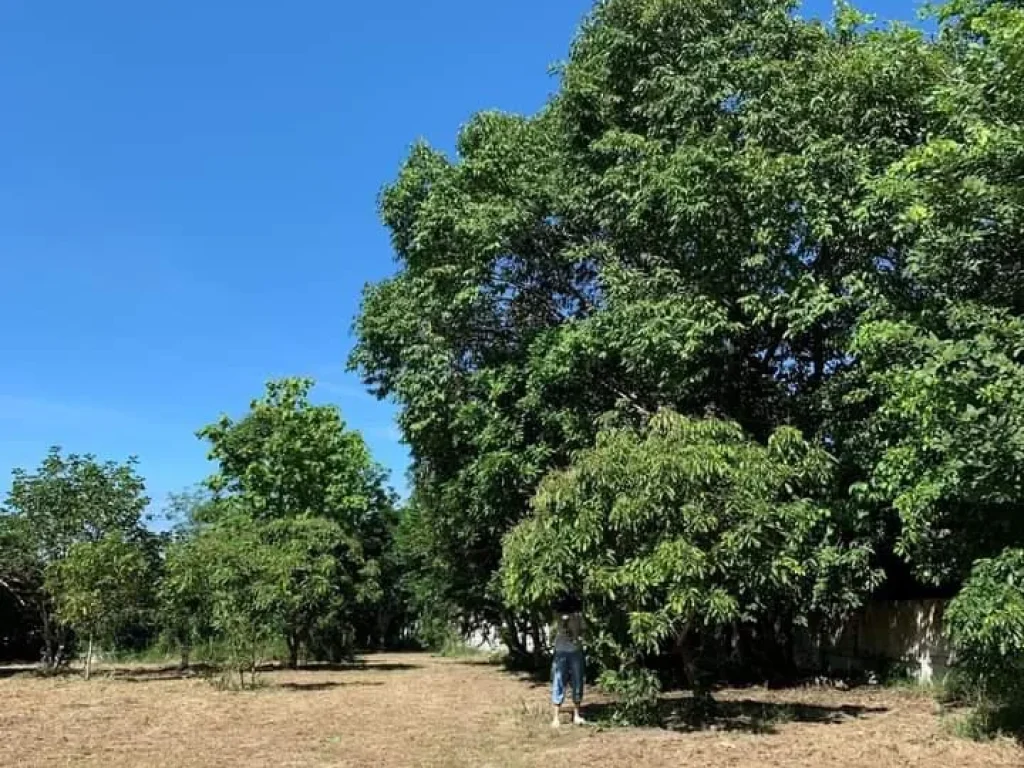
(568, 663)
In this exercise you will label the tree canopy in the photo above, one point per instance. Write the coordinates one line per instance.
(683, 532)
(732, 213)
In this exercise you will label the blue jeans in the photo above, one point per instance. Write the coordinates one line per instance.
(567, 663)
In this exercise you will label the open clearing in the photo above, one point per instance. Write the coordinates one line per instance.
(414, 710)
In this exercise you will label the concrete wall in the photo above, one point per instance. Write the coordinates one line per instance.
(906, 633)
(486, 639)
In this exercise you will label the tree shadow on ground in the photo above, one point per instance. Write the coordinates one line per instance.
(359, 666)
(133, 674)
(154, 674)
(739, 715)
(327, 685)
(170, 672)
(18, 670)
(174, 672)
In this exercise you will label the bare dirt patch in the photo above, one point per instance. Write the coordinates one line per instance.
(413, 710)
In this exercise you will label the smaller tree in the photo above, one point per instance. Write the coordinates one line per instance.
(184, 591)
(184, 595)
(250, 582)
(985, 625)
(244, 581)
(681, 534)
(68, 500)
(98, 587)
(316, 500)
(318, 565)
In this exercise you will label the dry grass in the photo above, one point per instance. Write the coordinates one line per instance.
(409, 710)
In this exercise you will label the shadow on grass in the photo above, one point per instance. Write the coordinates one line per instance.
(327, 685)
(135, 674)
(18, 670)
(745, 715)
(358, 666)
(173, 672)
(163, 673)
(153, 674)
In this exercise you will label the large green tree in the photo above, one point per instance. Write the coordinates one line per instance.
(691, 223)
(728, 211)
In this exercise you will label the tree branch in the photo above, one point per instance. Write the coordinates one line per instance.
(632, 399)
(14, 593)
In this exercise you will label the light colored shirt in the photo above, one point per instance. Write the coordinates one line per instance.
(568, 633)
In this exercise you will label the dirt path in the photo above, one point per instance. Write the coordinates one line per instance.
(413, 710)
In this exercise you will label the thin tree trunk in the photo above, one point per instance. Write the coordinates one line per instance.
(789, 647)
(88, 659)
(538, 641)
(293, 651)
(689, 654)
(512, 637)
(49, 642)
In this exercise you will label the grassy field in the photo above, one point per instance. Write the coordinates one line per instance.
(414, 710)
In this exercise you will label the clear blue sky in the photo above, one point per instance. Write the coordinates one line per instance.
(188, 200)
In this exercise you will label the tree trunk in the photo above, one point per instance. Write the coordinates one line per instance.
(687, 658)
(49, 641)
(538, 641)
(186, 652)
(292, 641)
(789, 647)
(823, 649)
(88, 659)
(512, 637)
(689, 654)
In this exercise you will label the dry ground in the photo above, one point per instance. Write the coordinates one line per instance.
(413, 710)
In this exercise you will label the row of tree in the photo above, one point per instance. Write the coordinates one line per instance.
(728, 337)
(290, 541)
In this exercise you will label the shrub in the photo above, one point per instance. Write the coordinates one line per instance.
(985, 625)
(636, 695)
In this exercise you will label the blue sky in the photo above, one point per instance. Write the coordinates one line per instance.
(188, 200)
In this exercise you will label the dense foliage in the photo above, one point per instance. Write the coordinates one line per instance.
(986, 626)
(740, 215)
(100, 586)
(686, 534)
(296, 531)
